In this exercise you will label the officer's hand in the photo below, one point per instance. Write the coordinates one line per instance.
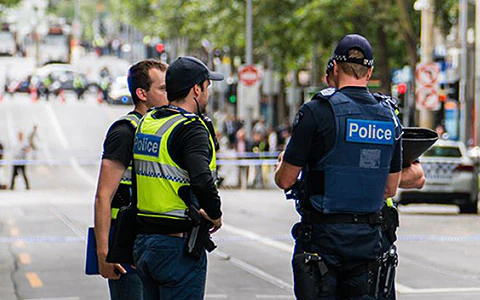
(217, 223)
(109, 270)
(279, 160)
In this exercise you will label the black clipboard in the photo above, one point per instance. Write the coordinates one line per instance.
(415, 141)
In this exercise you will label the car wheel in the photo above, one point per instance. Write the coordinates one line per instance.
(469, 208)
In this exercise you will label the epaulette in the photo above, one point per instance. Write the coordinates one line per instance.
(325, 93)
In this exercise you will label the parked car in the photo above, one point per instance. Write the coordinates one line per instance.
(118, 91)
(451, 178)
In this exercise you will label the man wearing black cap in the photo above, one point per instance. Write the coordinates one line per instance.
(347, 144)
(175, 163)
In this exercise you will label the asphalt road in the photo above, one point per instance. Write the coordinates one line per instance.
(42, 231)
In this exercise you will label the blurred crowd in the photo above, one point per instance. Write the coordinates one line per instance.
(232, 135)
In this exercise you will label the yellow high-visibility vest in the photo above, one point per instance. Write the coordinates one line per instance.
(158, 177)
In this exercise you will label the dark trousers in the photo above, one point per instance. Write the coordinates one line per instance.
(348, 250)
(16, 169)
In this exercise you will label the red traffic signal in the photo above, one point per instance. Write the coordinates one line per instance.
(401, 88)
(160, 48)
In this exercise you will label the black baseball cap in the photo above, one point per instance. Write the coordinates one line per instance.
(185, 72)
(329, 65)
(354, 41)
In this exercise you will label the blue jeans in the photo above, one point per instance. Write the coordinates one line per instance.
(128, 287)
(166, 270)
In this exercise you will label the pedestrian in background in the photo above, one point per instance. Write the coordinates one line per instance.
(21, 150)
(146, 83)
(3, 186)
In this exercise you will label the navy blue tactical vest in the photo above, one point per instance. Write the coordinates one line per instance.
(355, 171)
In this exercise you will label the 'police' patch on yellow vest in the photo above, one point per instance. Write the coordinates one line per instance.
(370, 131)
(146, 144)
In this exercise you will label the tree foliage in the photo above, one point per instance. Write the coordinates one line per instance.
(9, 3)
(292, 33)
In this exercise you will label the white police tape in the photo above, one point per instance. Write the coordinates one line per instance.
(223, 159)
(86, 162)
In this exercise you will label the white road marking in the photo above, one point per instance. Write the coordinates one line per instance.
(59, 298)
(81, 171)
(273, 297)
(56, 126)
(406, 290)
(254, 236)
(63, 140)
(75, 228)
(402, 289)
(254, 271)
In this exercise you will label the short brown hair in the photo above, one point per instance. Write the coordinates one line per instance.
(138, 76)
(353, 69)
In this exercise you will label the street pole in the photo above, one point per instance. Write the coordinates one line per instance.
(427, 45)
(249, 33)
(463, 73)
(249, 61)
(477, 72)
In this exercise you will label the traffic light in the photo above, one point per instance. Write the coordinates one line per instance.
(160, 48)
(232, 93)
(401, 94)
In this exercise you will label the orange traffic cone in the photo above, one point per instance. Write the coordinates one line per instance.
(1, 97)
(34, 94)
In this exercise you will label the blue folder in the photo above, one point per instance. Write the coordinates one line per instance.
(91, 259)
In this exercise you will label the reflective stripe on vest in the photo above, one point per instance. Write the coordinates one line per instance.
(158, 177)
(126, 179)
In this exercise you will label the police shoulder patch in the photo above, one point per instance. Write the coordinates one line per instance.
(328, 91)
(298, 118)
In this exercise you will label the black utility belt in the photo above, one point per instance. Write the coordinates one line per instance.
(321, 218)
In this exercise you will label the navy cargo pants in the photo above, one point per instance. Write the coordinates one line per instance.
(346, 253)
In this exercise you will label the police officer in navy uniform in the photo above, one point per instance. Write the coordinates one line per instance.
(346, 144)
(412, 177)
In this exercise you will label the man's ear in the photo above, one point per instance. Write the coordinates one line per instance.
(196, 90)
(141, 94)
(369, 73)
(335, 68)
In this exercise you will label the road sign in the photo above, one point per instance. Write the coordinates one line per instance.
(249, 75)
(427, 74)
(427, 98)
(427, 86)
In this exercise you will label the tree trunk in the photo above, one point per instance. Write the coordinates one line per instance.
(407, 32)
(382, 58)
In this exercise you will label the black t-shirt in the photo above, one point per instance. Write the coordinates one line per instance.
(118, 144)
(189, 147)
(313, 134)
